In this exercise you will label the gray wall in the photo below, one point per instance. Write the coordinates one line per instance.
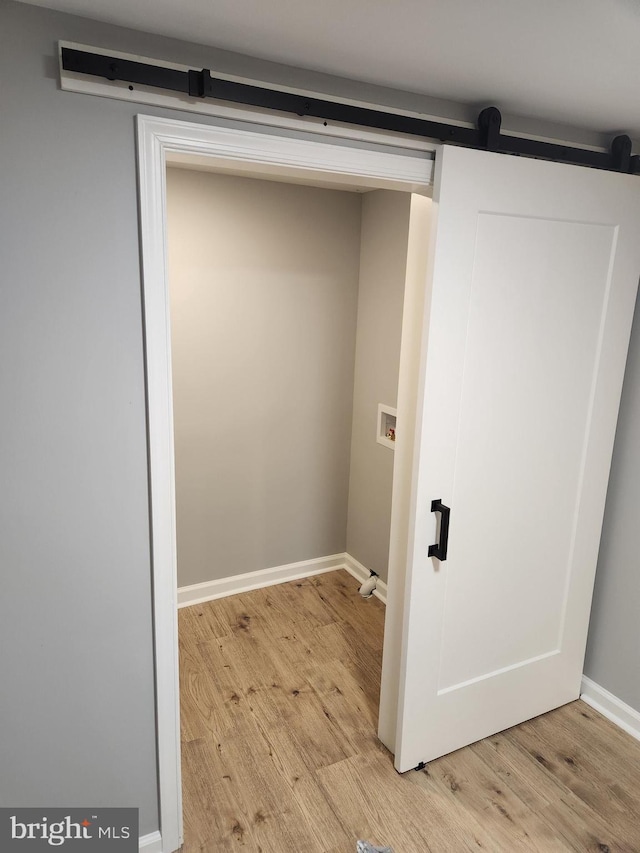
(264, 288)
(383, 264)
(76, 670)
(613, 650)
(75, 617)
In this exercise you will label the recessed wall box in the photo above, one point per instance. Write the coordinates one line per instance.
(386, 426)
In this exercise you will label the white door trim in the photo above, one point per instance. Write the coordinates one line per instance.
(275, 154)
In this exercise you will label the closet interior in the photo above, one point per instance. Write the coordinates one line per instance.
(286, 328)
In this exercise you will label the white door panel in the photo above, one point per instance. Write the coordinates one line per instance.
(539, 409)
(533, 284)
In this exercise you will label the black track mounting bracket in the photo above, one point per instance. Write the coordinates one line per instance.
(489, 122)
(621, 154)
(199, 83)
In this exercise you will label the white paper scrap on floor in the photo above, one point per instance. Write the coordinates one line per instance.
(365, 847)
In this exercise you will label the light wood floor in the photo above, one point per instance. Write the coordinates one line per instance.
(279, 691)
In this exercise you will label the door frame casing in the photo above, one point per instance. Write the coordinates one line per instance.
(258, 151)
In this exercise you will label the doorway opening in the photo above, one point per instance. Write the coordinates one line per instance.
(290, 166)
(286, 323)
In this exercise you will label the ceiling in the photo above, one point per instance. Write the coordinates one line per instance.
(576, 62)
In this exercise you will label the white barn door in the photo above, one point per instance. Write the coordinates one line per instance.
(532, 290)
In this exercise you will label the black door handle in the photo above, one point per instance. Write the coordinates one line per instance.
(439, 551)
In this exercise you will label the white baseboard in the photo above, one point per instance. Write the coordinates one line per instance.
(151, 843)
(361, 573)
(208, 591)
(611, 707)
(198, 593)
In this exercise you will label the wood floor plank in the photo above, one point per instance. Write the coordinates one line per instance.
(211, 813)
(345, 785)
(340, 642)
(201, 622)
(346, 702)
(615, 751)
(469, 783)
(339, 592)
(506, 763)
(287, 758)
(564, 759)
(390, 810)
(276, 821)
(582, 829)
(279, 706)
(205, 705)
(545, 793)
(298, 603)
